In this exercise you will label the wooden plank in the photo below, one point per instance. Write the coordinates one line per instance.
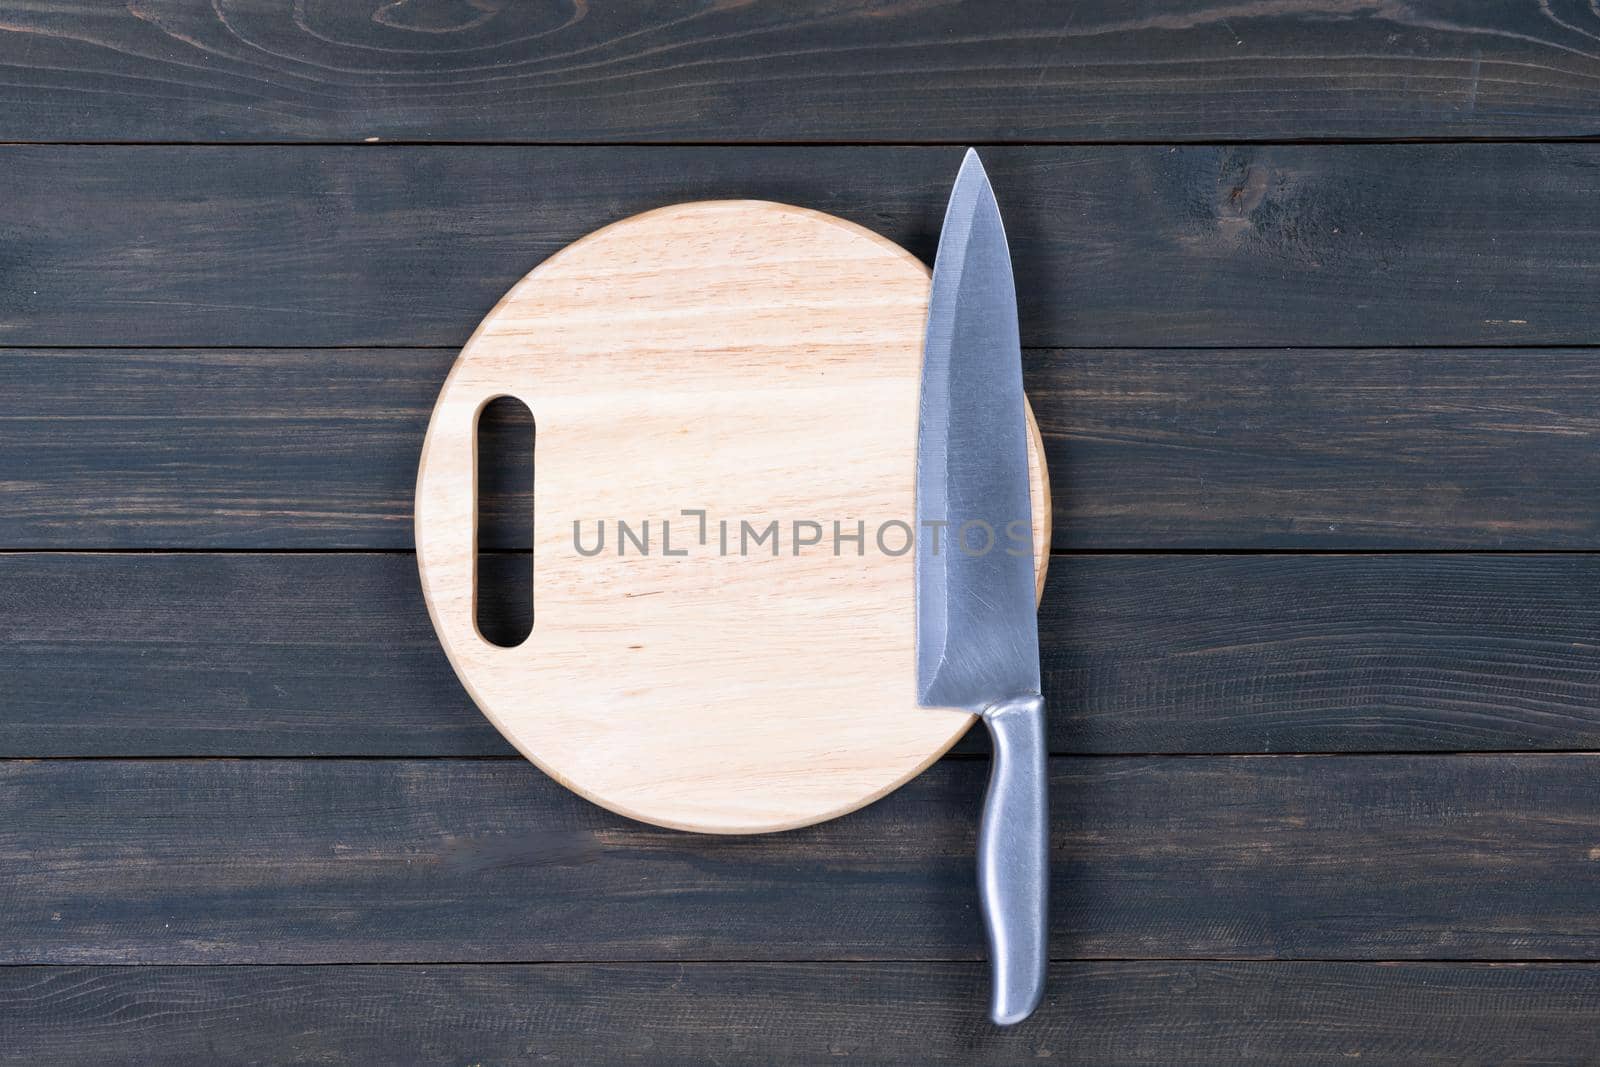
(327, 861)
(1140, 246)
(1321, 449)
(871, 71)
(219, 449)
(1102, 1014)
(226, 655)
(293, 654)
(1208, 449)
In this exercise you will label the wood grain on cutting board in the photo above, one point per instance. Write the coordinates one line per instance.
(758, 362)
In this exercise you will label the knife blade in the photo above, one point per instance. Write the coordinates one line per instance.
(977, 627)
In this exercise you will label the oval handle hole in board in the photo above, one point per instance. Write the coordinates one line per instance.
(503, 570)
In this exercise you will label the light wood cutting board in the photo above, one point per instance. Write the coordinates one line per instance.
(758, 362)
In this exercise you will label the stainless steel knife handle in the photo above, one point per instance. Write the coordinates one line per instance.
(1014, 858)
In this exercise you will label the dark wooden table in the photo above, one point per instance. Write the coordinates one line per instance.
(1310, 298)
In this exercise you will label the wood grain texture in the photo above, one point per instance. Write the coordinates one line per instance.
(126, 449)
(760, 364)
(1203, 449)
(1111, 1014)
(1131, 246)
(323, 861)
(1323, 449)
(920, 71)
(308, 655)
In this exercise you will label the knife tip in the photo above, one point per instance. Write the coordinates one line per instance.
(972, 176)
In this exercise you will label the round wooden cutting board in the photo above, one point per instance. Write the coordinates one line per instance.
(755, 362)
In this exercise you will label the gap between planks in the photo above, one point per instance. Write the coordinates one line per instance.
(875, 961)
(1055, 553)
(1309, 350)
(1160, 142)
(951, 757)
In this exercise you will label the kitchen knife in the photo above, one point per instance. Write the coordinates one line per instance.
(977, 628)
